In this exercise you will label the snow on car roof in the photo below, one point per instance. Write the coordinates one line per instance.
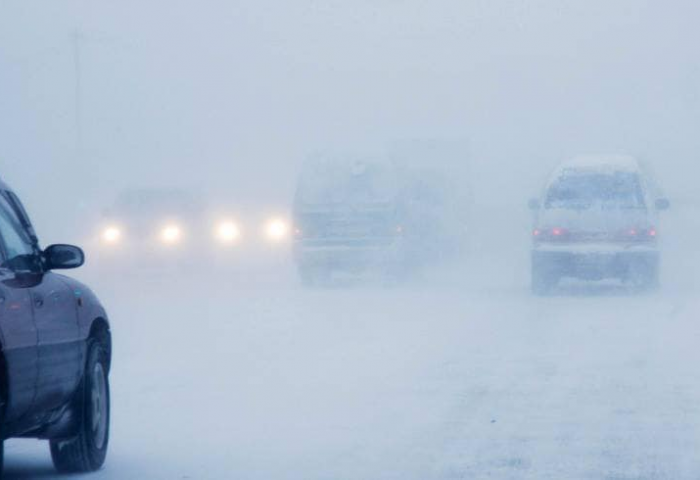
(601, 164)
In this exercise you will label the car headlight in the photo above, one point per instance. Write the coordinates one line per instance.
(277, 230)
(228, 232)
(171, 234)
(112, 235)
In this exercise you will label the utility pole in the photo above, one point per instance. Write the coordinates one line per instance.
(77, 59)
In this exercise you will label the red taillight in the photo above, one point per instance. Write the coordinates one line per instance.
(641, 234)
(558, 234)
(552, 234)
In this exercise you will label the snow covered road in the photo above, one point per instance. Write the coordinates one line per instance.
(468, 379)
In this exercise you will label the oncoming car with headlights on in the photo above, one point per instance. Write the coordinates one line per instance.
(156, 228)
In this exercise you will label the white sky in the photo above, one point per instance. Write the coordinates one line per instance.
(230, 96)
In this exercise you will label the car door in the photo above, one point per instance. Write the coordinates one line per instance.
(55, 307)
(60, 346)
(18, 330)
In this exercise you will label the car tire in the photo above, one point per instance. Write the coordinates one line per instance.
(644, 276)
(544, 279)
(2, 441)
(87, 451)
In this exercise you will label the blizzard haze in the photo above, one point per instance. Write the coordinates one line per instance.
(457, 372)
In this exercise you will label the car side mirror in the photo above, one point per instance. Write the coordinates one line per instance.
(663, 204)
(64, 257)
(533, 204)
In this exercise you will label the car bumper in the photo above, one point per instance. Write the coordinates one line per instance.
(595, 262)
(347, 256)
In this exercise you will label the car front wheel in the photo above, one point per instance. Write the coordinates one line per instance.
(87, 451)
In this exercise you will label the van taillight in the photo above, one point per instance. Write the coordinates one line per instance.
(552, 234)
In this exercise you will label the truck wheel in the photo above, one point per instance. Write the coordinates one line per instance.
(88, 450)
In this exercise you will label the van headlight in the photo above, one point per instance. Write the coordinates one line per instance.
(171, 234)
(277, 230)
(227, 232)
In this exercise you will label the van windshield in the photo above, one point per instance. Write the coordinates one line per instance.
(598, 190)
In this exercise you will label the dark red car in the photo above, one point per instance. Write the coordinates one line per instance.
(55, 347)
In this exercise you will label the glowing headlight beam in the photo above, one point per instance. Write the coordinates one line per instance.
(228, 232)
(277, 230)
(171, 234)
(112, 235)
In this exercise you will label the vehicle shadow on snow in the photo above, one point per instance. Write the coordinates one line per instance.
(27, 471)
(27, 465)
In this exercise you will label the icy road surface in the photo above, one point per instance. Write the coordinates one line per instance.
(471, 378)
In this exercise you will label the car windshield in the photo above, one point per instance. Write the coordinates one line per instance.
(603, 191)
(146, 203)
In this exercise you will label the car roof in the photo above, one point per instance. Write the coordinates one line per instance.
(155, 194)
(603, 164)
(606, 163)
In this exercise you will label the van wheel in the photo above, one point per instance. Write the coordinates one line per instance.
(88, 450)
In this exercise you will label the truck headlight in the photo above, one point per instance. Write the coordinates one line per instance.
(228, 232)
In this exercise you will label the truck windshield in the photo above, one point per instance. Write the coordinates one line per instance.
(588, 191)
